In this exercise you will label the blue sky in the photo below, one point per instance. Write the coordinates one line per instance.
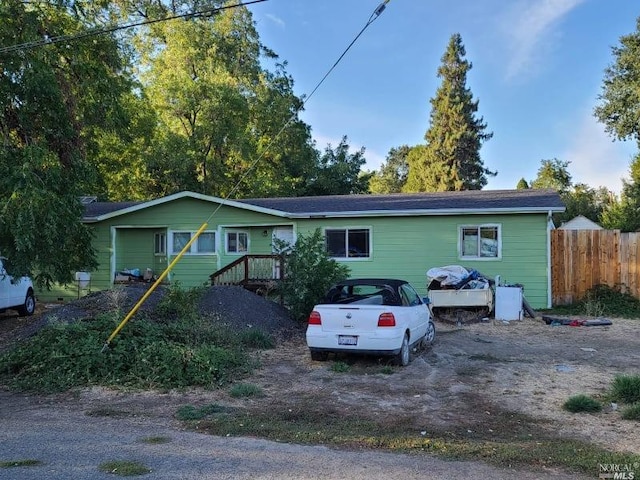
(538, 67)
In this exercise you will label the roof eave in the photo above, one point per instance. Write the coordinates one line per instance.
(428, 212)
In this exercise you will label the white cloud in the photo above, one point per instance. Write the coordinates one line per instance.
(595, 159)
(275, 19)
(529, 26)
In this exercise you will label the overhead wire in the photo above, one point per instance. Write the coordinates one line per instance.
(101, 31)
(376, 13)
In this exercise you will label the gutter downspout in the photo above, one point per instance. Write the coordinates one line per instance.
(549, 286)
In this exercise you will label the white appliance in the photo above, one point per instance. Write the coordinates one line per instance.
(509, 303)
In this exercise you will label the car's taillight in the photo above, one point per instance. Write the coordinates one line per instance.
(314, 318)
(386, 320)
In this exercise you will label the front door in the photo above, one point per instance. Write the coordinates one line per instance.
(286, 239)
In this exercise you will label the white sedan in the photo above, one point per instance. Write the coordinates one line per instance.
(370, 316)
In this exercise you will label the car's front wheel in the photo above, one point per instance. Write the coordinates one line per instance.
(29, 305)
(403, 356)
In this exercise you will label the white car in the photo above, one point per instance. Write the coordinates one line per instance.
(16, 293)
(370, 316)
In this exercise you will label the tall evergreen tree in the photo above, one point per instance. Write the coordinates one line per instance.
(451, 159)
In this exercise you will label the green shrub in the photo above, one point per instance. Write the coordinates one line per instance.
(613, 301)
(631, 412)
(309, 273)
(582, 403)
(626, 388)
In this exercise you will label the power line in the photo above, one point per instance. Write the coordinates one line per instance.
(101, 31)
(376, 13)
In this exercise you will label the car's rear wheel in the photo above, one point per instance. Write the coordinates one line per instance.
(29, 305)
(430, 336)
(404, 355)
(317, 356)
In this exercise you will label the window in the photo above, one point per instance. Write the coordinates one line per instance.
(410, 297)
(237, 242)
(160, 243)
(205, 244)
(348, 242)
(481, 241)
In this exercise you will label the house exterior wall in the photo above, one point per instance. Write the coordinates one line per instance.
(406, 247)
(401, 247)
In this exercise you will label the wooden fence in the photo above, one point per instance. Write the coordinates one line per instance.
(581, 259)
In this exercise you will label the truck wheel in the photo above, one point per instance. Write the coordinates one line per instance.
(29, 306)
(403, 357)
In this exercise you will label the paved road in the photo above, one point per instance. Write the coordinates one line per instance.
(71, 445)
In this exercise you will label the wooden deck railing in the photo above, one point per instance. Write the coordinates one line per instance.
(250, 271)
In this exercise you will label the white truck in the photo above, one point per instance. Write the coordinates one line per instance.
(370, 316)
(16, 293)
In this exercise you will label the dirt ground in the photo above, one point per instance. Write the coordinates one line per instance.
(486, 380)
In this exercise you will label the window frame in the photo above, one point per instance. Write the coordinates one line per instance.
(347, 258)
(193, 249)
(160, 240)
(237, 232)
(479, 227)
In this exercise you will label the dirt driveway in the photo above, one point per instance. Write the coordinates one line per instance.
(490, 380)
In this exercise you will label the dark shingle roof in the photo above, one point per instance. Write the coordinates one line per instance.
(96, 209)
(473, 201)
(536, 199)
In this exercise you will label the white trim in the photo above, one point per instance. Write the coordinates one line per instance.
(369, 228)
(176, 196)
(423, 212)
(480, 226)
(171, 252)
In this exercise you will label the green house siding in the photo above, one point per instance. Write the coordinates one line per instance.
(400, 246)
(406, 247)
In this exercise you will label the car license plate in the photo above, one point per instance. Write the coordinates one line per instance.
(347, 340)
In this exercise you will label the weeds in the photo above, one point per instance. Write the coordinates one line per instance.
(631, 412)
(124, 468)
(626, 388)
(582, 403)
(155, 440)
(190, 413)
(246, 390)
(603, 300)
(183, 353)
(340, 367)
(20, 463)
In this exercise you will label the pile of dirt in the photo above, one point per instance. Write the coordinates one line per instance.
(228, 305)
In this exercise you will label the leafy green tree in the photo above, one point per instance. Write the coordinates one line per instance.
(619, 107)
(522, 184)
(451, 159)
(220, 111)
(553, 174)
(309, 273)
(625, 214)
(619, 110)
(53, 100)
(392, 175)
(339, 172)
